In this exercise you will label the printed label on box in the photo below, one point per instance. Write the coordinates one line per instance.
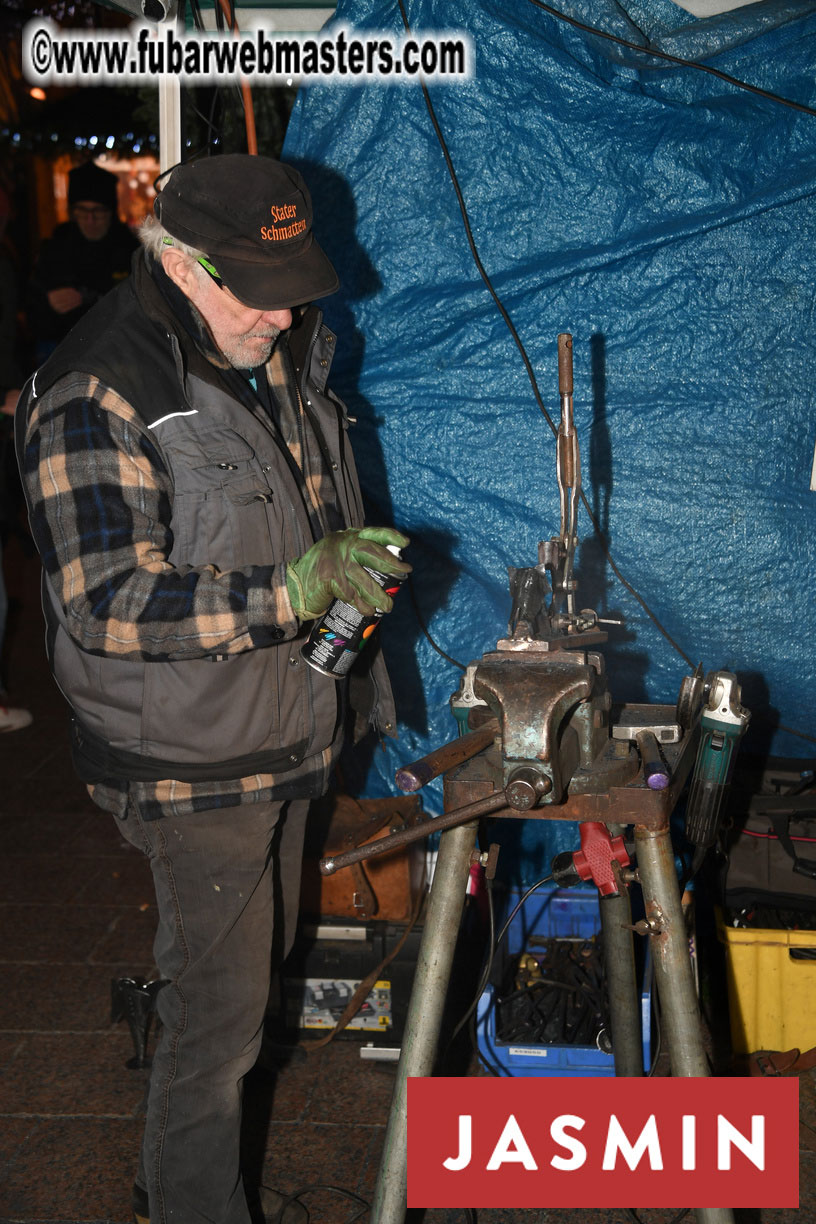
(318, 1003)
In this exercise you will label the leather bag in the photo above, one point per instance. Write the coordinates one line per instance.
(385, 888)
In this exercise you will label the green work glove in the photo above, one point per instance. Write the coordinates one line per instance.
(333, 568)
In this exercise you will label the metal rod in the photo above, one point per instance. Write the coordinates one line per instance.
(672, 962)
(568, 467)
(414, 776)
(564, 453)
(470, 811)
(621, 983)
(424, 1019)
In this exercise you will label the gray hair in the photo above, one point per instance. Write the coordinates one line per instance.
(155, 239)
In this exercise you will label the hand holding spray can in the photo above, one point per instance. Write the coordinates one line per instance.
(342, 632)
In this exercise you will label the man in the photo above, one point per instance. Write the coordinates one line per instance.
(84, 258)
(193, 496)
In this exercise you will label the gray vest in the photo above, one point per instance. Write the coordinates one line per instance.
(236, 503)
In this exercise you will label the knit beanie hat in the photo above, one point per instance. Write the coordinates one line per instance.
(92, 183)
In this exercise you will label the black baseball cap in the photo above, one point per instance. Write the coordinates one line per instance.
(252, 217)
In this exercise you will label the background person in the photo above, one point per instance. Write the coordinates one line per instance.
(85, 257)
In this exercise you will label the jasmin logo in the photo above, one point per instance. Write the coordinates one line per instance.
(512, 1146)
(281, 233)
(654, 1142)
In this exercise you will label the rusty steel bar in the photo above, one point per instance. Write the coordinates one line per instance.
(412, 777)
(448, 820)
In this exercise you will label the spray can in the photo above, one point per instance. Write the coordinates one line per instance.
(342, 632)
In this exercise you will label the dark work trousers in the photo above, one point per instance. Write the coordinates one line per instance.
(227, 887)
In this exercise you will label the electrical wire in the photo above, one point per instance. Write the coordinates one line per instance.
(493, 946)
(544, 880)
(673, 59)
(213, 132)
(792, 731)
(523, 352)
(773, 836)
(207, 120)
(485, 976)
(424, 628)
(297, 1196)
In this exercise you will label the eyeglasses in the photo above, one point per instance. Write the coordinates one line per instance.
(211, 271)
(90, 213)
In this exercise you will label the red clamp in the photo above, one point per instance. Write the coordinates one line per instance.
(598, 851)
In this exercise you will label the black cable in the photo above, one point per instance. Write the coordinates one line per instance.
(209, 121)
(208, 124)
(489, 1067)
(628, 586)
(802, 734)
(297, 1196)
(493, 947)
(673, 59)
(424, 628)
(544, 880)
(485, 975)
(522, 351)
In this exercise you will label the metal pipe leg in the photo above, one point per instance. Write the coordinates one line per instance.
(674, 977)
(680, 1015)
(424, 1018)
(621, 983)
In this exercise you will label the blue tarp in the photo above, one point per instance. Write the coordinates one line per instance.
(664, 217)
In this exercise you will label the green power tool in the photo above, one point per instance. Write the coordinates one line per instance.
(722, 724)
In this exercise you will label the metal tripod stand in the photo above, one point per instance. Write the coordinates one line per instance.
(471, 792)
(539, 740)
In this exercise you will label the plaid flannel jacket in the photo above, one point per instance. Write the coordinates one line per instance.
(101, 500)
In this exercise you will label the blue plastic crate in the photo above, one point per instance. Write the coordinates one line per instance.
(559, 913)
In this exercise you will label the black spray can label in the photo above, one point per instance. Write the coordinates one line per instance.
(342, 632)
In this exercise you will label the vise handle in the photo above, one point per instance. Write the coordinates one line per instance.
(414, 776)
(394, 841)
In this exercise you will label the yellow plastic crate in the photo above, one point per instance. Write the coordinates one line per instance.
(771, 991)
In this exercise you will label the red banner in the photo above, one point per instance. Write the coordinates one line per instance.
(605, 1142)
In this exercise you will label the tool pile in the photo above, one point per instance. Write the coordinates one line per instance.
(555, 996)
